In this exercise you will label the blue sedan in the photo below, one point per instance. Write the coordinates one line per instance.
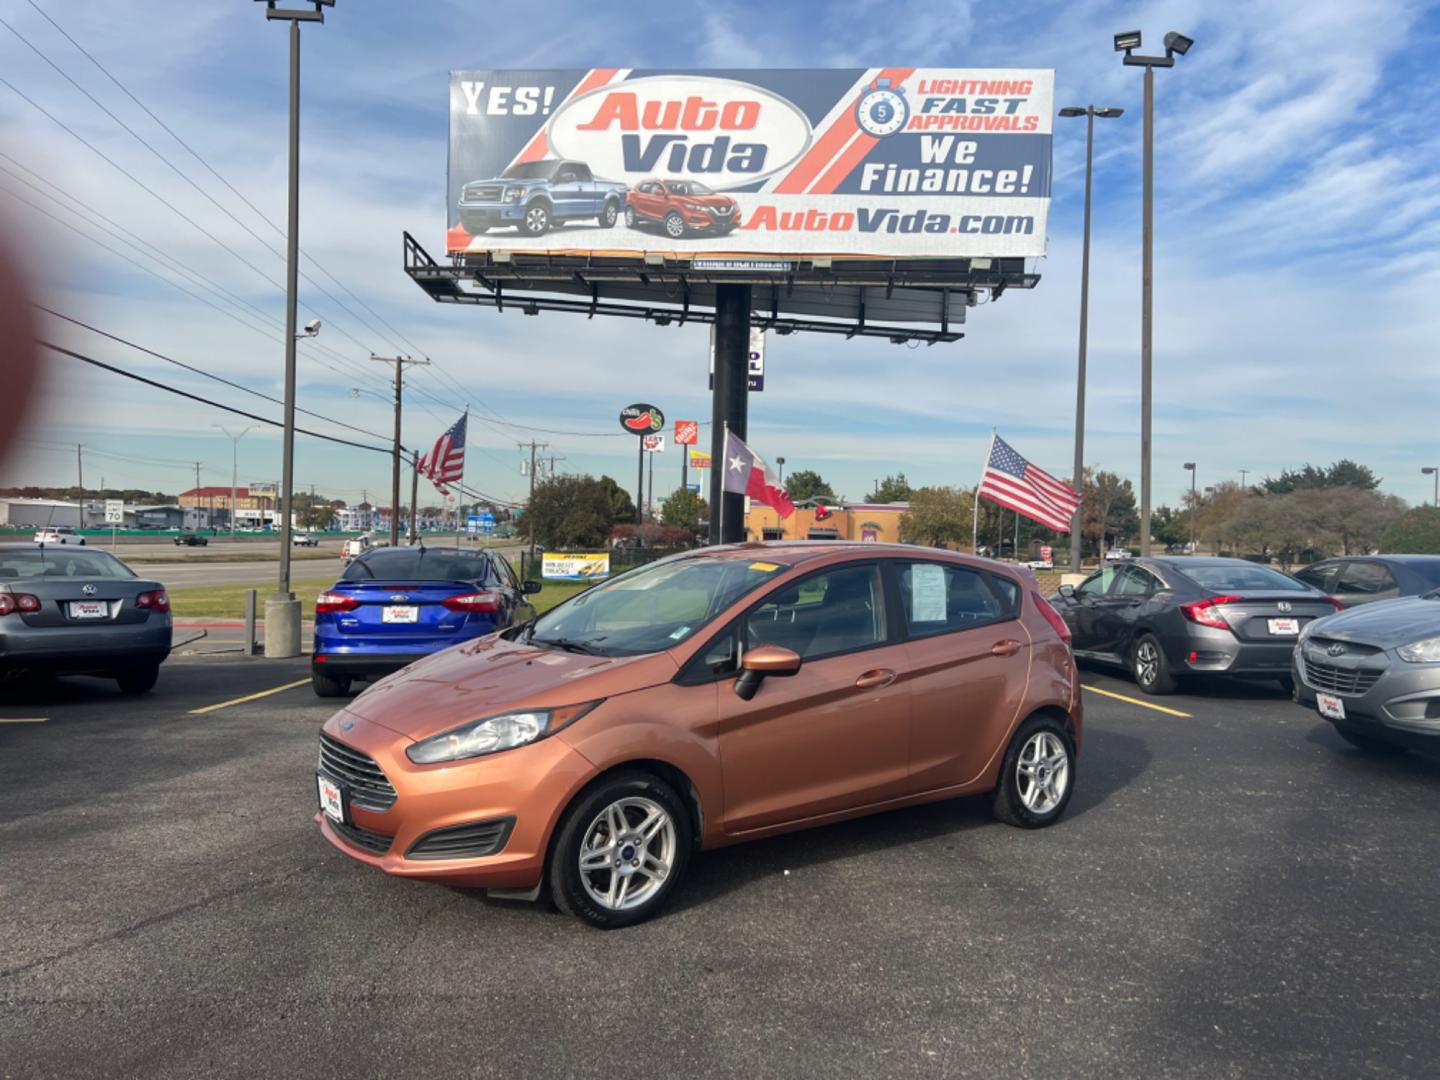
(395, 605)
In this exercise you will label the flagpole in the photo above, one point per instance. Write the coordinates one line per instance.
(724, 455)
(975, 528)
(459, 487)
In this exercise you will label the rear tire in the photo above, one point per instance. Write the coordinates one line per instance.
(140, 680)
(636, 820)
(1037, 775)
(326, 686)
(1368, 743)
(609, 214)
(1149, 666)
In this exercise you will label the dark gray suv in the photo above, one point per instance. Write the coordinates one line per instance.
(1167, 618)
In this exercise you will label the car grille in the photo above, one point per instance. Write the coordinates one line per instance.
(373, 842)
(1339, 680)
(483, 193)
(369, 787)
(722, 211)
(469, 841)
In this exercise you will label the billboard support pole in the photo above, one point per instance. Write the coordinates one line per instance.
(729, 406)
(640, 486)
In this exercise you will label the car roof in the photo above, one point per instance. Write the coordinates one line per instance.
(799, 552)
(1404, 560)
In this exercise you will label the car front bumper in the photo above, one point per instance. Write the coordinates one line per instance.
(490, 215)
(531, 785)
(1403, 705)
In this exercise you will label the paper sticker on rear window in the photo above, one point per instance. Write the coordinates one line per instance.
(927, 593)
(764, 567)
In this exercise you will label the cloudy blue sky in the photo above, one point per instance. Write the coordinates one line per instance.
(1297, 251)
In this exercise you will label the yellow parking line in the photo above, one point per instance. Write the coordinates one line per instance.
(1136, 701)
(249, 697)
(23, 719)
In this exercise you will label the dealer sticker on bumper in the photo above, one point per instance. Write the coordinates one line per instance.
(1330, 706)
(330, 800)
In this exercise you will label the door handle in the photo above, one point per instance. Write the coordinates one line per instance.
(1008, 647)
(872, 680)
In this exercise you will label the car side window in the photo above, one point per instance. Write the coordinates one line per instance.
(566, 176)
(938, 598)
(1368, 579)
(1320, 576)
(581, 171)
(1096, 584)
(1133, 581)
(831, 612)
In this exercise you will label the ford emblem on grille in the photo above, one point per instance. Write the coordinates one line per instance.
(399, 597)
(1284, 605)
(346, 725)
(88, 590)
(1335, 649)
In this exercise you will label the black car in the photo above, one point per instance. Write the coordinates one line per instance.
(191, 540)
(1165, 618)
(1363, 579)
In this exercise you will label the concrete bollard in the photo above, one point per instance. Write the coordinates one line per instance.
(282, 627)
(250, 623)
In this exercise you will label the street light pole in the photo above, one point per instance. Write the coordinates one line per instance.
(234, 467)
(282, 611)
(1126, 43)
(1078, 477)
(1431, 470)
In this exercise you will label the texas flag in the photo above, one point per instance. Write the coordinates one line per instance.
(747, 474)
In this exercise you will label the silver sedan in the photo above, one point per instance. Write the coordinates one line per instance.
(77, 611)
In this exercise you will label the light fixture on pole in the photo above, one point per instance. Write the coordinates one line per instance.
(1089, 112)
(282, 611)
(781, 462)
(1175, 43)
(234, 468)
(1431, 470)
(1191, 466)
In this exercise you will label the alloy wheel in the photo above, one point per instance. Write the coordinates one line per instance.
(627, 853)
(1147, 663)
(1042, 772)
(675, 226)
(536, 220)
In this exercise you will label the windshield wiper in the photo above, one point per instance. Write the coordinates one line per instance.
(568, 644)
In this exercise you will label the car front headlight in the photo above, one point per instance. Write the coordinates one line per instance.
(495, 733)
(1421, 652)
(514, 194)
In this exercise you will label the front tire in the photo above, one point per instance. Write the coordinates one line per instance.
(674, 225)
(621, 849)
(537, 220)
(140, 680)
(610, 214)
(1149, 666)
(1037, 775)
(328, 686)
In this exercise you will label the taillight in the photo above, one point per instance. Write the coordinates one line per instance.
(1204, 613)
(333, 601)
(1052, 617)
(20, 601)
(159, 600)
(480, 601)
(1338, 606)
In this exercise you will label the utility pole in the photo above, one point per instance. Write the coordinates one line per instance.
(234, 467)
(1243, 474)
(414, 496)
(533, 446)
(80, 479)
(399, 362)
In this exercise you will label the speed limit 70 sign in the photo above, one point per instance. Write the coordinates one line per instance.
(687, 432)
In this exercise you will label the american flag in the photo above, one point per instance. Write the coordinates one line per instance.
(1013, 482)
(445, 463)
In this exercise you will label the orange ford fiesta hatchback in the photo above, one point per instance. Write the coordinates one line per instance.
(716, 696)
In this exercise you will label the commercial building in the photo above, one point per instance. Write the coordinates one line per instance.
(254, 506)
(27, 513)
(873, 522)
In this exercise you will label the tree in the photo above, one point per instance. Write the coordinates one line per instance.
(684, 509)
(622, 507)
(1416, 532)
(808, 484)
(1109, 509)
(1342, 473)
(891, 490)
(1169, 526)
(938, 516)
(569, 512)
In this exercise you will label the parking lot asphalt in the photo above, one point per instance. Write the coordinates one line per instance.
(1233, 891)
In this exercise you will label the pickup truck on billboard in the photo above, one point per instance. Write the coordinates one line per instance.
(680, 207)
(878, 162)
(536, 196)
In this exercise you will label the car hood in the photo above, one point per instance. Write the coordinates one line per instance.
(1386, 624)
(491, 675)
(707, 200)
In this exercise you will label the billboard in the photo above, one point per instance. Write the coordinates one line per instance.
(558, 567)
(866, 162)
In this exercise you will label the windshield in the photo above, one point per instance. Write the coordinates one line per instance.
(21, 564)
(420, 564)
(687, 187)
(529, 170)
(1243, 578)
(652, 608)
(1428, 569)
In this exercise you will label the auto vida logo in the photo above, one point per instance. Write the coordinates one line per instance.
(720, 131)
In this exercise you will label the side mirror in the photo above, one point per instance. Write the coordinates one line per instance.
(761, 661)
(1067, 591)
(530, 587)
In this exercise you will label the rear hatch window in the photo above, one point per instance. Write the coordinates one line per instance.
(421, 565)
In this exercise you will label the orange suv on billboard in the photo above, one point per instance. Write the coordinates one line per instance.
(680, 207)
(709, 698)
